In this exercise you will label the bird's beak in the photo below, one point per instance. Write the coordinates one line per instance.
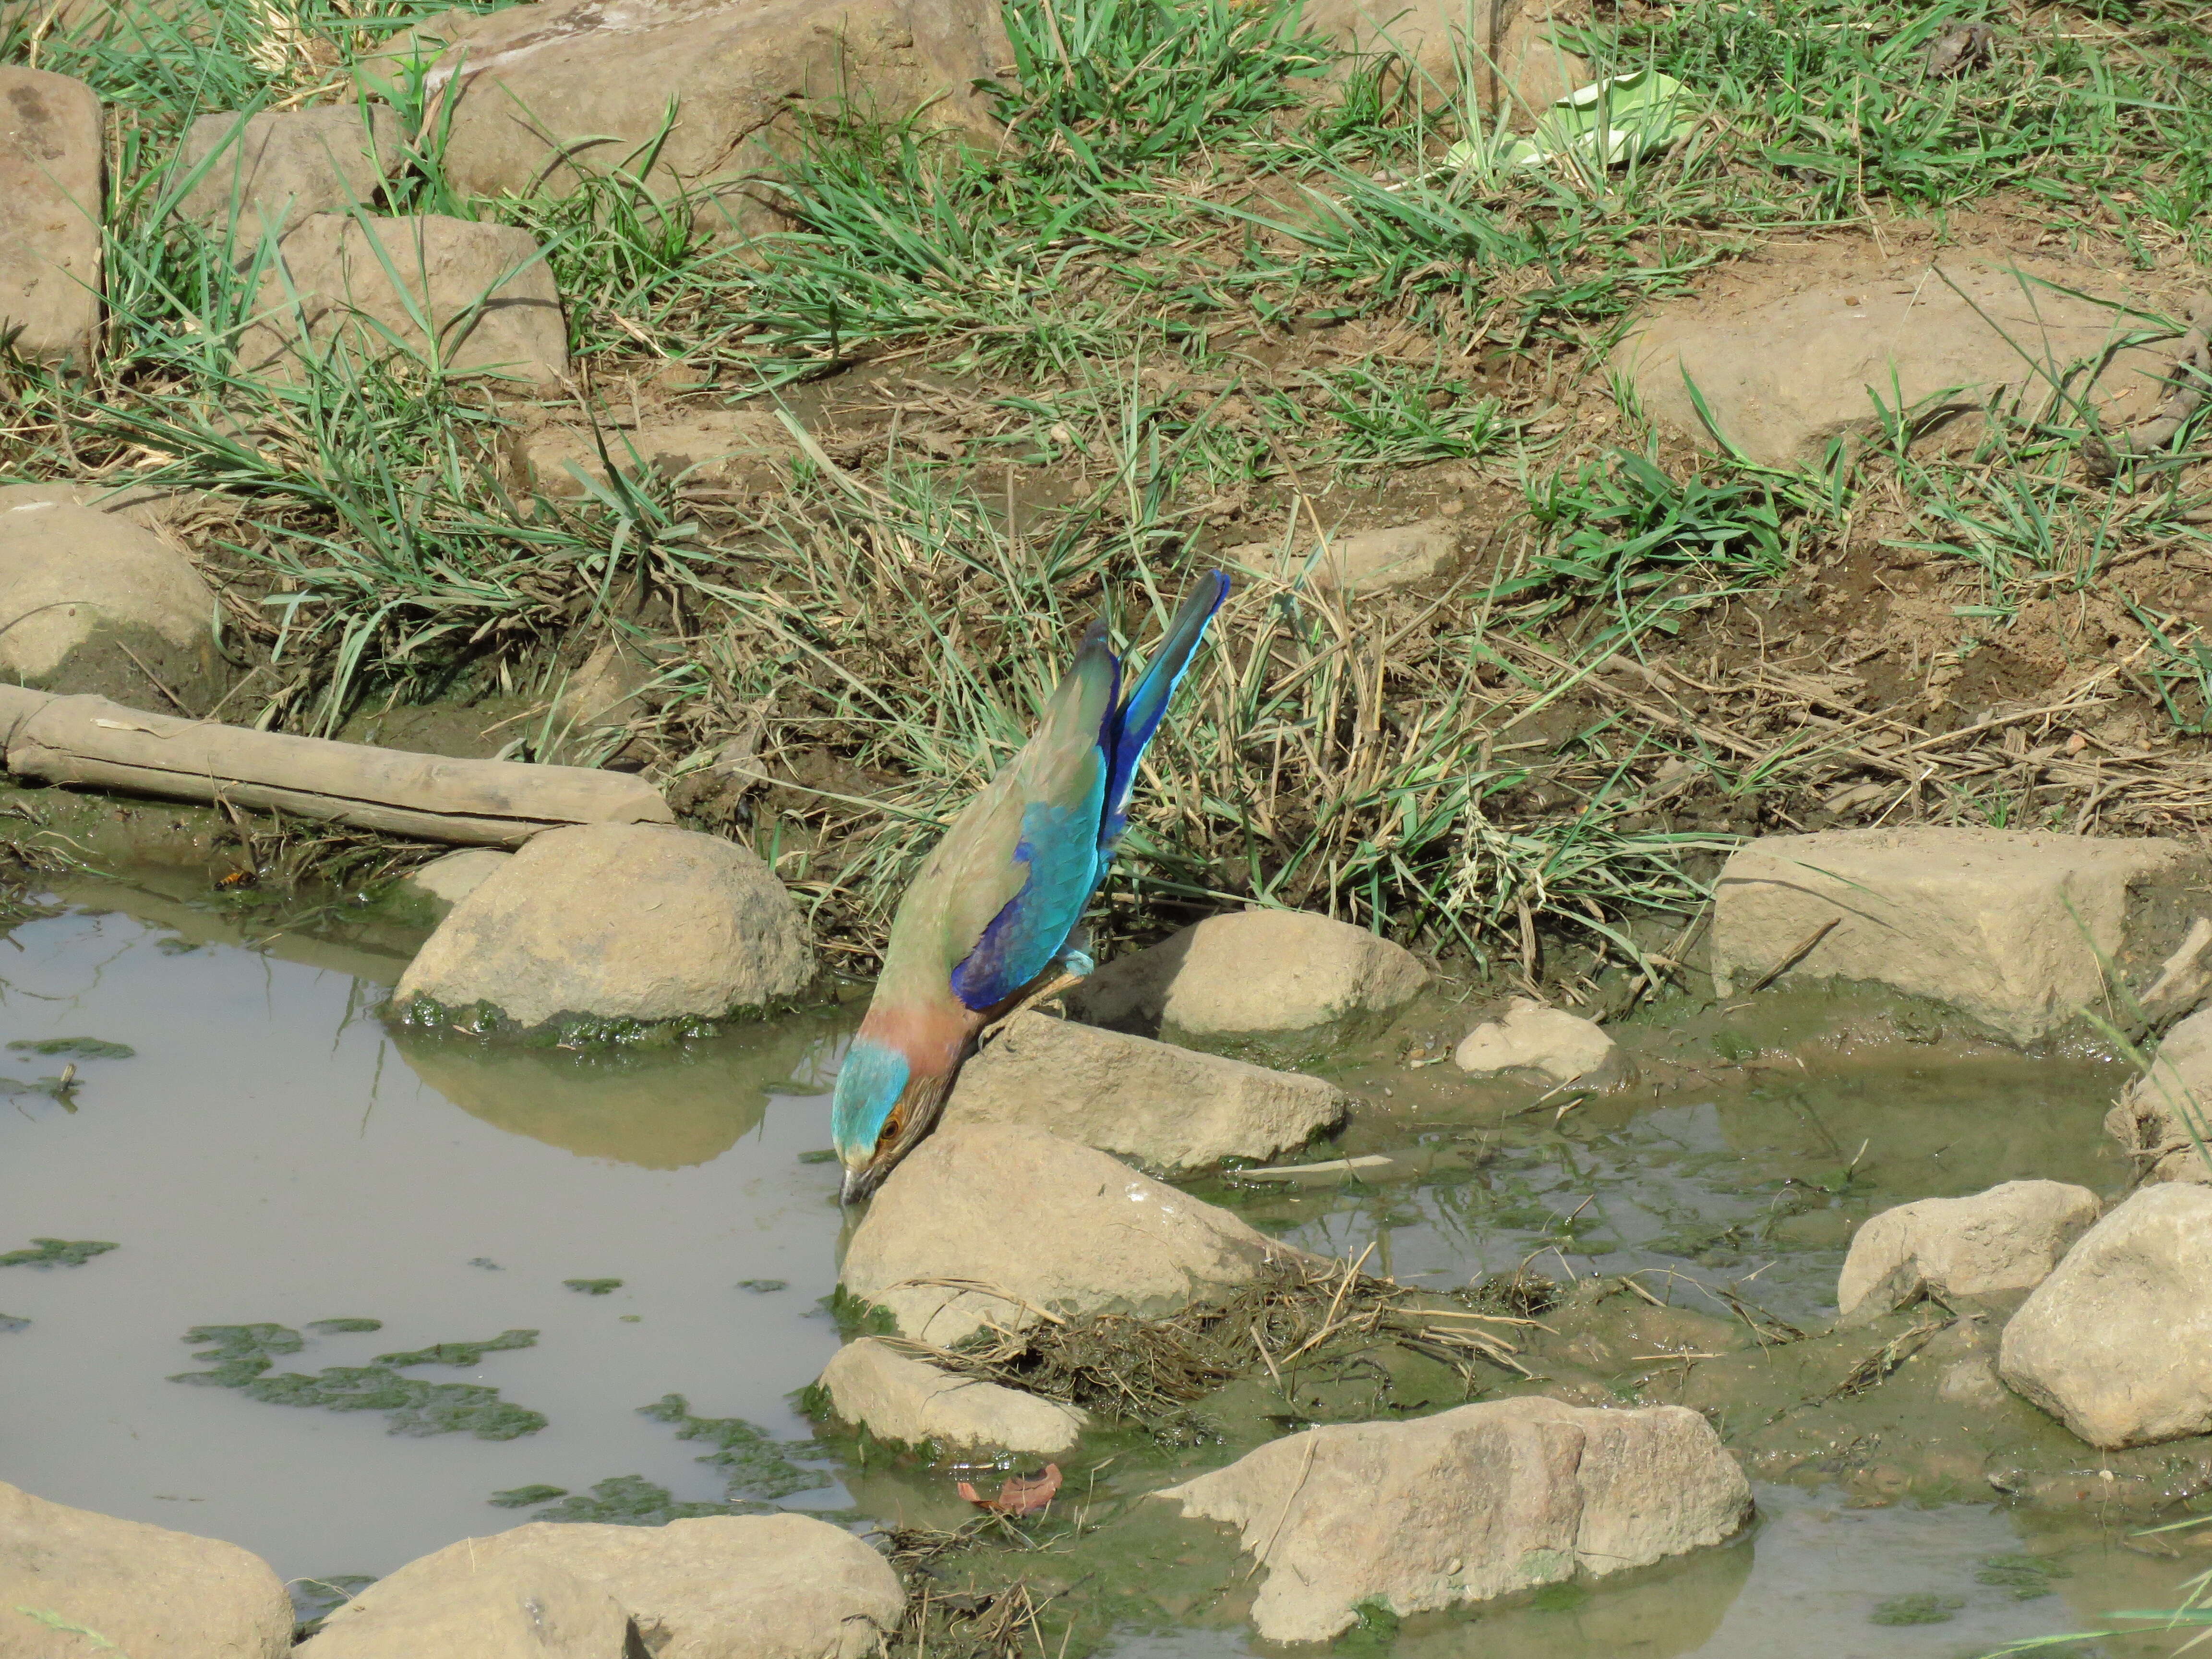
(859, 1184)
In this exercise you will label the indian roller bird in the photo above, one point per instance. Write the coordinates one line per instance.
(988, 923)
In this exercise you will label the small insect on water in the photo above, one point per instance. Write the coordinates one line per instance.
(234, 879)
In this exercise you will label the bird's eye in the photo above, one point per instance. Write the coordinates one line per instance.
(891, 1126)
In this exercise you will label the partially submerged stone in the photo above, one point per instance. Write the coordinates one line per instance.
(2013, 928)
(1172, 1109)
(2117, 1343)
(1469, 1505)
(1111, 1240)
(898, 1396)
(720, 1587)
(508, 1609)
(91, 602)
(272, 170)
(146, 1590)
(1781, 376)
(1358, 562)
(1996, 1243)
(1258, 972)
(608, 922)
(1562, 1047)
(50, 149)
(2164, 1119)
(357, 289)
(723, 450)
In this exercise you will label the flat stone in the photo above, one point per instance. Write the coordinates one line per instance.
(727, 450)
(2164, 1120)
(2117, 1343)
(1992, 1243)
(720, 1587)
(82, 592)
(1564, 1047)
(1467, 1505)
(1118, 1241)
(617, 922)
(269, 171)
(1784, 372)
(508, 1609)
(1331, 1172)
(149, 1592)
(897, 1397)
(1260, 971)
(485, 288)
(51, 147)
(1172, 1109)
(2007, 926)
(1358, 562)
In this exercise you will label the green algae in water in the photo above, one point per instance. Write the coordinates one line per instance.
(593, 1286)
(824, 1157)
(521, 1497)
(1920, 1609)
(344, 1327)
(2027, 1576)
(631, 1500)
(12, 1323)
(57, 1253)
(242, 1354)
(764, 1286)
(463, 1354)
(75, 1048)
(1562, 1597)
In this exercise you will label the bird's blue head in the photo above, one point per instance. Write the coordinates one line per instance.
(880, 1111)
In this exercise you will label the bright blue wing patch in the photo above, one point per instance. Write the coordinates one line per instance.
(1130, 734)
(1060, 846)
(869, 1084)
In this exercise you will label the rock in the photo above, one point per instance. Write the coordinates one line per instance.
(81, 591)
(896, 1396)
(441, 883)
(1529, 1036)
(531, 88)
(1784, 374)
(1257, 972)
(2007, 926)
(147, 1591)
(1117, 1242)
(2165, 1118)
(2117, 1343)
(1169, 1108)
(51, 148)
(617, 922)
(1471, 1504)
(1516, 63)
(485, 288)
(1360, 562)
(1971, 1382)
(721, 450)
(2006, 1239)
(510, 1609)
(274, 169)
(722, 1586)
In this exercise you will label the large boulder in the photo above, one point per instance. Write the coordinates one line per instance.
(722, 1586)
(1169, 1108)
(51, 148)
(1467, 1505)
(1116, 1241)
(1784, 372)
(1530, 1037)
(91, 602)
(897, 1397)
(2165, 1118)
(1993, 1243)
(522, 1609)
(2117, 1343)
(359, 289)
(1360, 561)
(2014, 927)
(1257, 972)
(146, 1591)
(270, 171)
(535, 96)
(616, 921)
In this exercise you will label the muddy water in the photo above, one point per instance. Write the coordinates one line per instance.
(273, 1154)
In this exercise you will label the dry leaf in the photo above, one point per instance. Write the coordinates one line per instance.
(1022, 1494)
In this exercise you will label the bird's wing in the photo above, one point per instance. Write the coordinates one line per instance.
(1022, 860)
(1131, 730)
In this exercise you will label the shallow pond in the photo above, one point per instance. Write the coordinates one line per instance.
(275, 1168)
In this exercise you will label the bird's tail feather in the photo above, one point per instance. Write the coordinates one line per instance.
(1131, 727)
